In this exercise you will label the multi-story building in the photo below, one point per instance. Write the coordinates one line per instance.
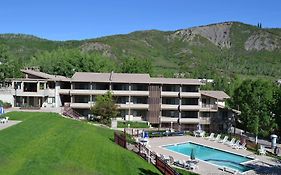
(164, 102)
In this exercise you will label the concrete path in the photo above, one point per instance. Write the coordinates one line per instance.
(10, 123)
(56, 110)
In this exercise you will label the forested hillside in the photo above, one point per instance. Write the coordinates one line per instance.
(229, 50)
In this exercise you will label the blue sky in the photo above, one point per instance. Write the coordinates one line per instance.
(74, 19)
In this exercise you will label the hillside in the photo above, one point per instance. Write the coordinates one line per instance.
(224, 49)
(46, 143)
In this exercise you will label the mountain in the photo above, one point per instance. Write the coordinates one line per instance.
(224, 49)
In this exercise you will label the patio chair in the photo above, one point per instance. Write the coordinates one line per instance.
(236, 144)
(262, 150)
(223, 140)
(217, 138)
(179, 163)
(231, 142)
(3, 120)
(195, 133)
(172, 160)
(190, 165)
(211, 136)
(165, 158)
(243, 146)
(202, 134)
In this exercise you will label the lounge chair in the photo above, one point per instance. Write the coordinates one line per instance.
(172, 160)
(178, 133)
(217, 138)
(262, 150)
(180, 163)
(236, 144)
(199, 133)
(165, 158)
(4, 120)
(229, 170)
(243, 146)
(190, 165)
(211, 136)
(202, 134)
(231, 142)
(223, 140)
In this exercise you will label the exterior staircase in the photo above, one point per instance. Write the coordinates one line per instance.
(69, 112)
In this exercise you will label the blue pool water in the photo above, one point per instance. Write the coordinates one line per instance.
(212, 155)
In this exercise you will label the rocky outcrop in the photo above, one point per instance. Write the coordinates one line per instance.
(218, 34)
(262, 41)
(96, 46)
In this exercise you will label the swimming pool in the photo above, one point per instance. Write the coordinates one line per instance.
(212, 155)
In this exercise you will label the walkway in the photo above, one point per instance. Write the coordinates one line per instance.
(261, 163)
(10, 123)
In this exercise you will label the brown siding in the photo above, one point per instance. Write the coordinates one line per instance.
(154, 104)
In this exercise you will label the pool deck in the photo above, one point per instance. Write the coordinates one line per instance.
(263, 164)
(10, 123)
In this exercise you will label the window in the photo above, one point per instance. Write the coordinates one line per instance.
(172, 88)
(189, 114)
(189, 101)
(41, 85)
(190, 88)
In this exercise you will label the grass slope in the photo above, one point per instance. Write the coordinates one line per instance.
(45, 143)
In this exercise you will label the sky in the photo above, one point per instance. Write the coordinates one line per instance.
(81, 19)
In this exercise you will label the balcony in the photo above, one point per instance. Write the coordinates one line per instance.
(209, 107)
(190, 120)
(132, 106)
(81, 105)
(169, 106)
(190, 94)
(169, 94)
(165, 119)
(189, 107)
(39, 93)
(127, 93)
(82, 92)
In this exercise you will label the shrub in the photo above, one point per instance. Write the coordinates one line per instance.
(5, 104)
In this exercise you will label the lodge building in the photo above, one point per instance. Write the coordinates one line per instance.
(164, 102)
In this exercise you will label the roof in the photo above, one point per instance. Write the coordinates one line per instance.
(44, 75)
(110, 77)
(90, 77)
(181, 81)
(113, 77)
(129, 78)
(220, 95)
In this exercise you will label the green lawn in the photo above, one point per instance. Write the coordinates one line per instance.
(132, 124)
(45, 143)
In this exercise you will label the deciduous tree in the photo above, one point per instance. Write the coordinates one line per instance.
(105, 108)
(255, 99)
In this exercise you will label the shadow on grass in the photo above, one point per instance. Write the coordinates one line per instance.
(147, 172)
(112, 139)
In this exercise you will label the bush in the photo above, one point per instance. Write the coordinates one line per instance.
(134, 124)
(5, 104)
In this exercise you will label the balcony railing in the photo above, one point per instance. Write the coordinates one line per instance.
(210, 106)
